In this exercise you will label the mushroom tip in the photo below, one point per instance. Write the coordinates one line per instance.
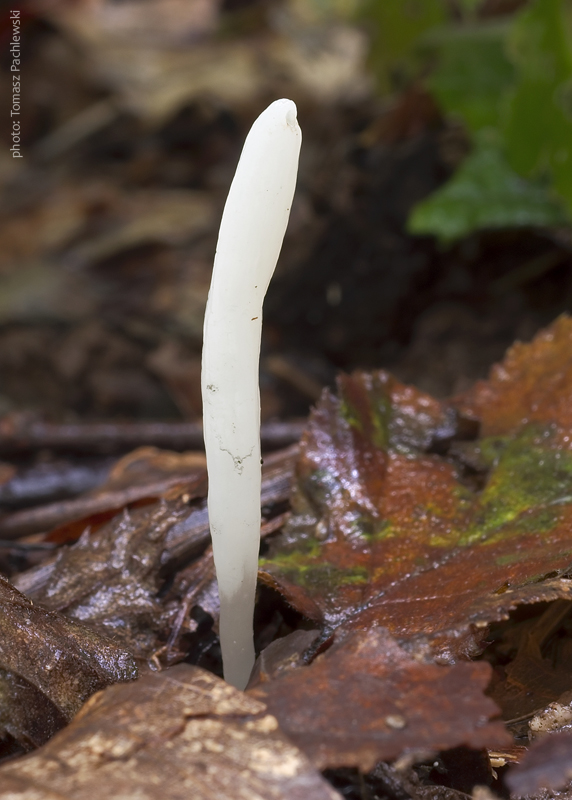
(283, 111)
(291, 119)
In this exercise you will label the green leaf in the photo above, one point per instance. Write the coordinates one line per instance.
(538, 133)
(473, 74)
(486, 193)
(396, 28)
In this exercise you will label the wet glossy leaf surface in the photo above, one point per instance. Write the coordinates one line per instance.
(390, 529)
(49, 666)
(372, 701)
(110, 579)
(181, 733)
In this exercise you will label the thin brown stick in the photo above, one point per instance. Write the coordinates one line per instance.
(19, 436)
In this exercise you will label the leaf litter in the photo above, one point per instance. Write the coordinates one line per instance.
(49, 666)
(408, 537)
(387, 528)
(372, 701)
(181, 733)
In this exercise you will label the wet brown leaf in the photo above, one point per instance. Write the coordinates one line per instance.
(371, 701)
(111, 578)
(532, 384)
(49, 666)
(547, 765)
(386, 531)
(180, 733)
(539, 671)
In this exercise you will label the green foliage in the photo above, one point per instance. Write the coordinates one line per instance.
(396, 28)
(511, 84)
(541, 106)
(474, 73)
(486, 193)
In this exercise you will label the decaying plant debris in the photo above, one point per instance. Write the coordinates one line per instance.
(49, 666)
(410, 540)
(416, 559)
(174, 734)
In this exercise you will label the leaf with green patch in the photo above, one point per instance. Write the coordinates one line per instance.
(386, 531)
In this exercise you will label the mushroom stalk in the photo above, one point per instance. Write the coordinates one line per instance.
(250, 238)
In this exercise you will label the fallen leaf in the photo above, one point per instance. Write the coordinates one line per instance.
(387, 532)
(171, 217)
(156, 471)
(7, 472)
(281, 655)
(547, 765)
(180, 733)
(49, 666)
(110, 579)
(164, 21)
(539, 671)
(532, 384)
(371, 701)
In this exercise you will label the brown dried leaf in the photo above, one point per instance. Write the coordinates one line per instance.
(162, 21)
(180, 733)
(49, 666)
(7, 472)
(532, 384)
(171, 217)
(547, 765)
(156, 471)
(111, 578)
(539, 671)
(281, 655)
(385, 533)
(371, 701)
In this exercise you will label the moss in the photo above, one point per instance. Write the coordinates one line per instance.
(530, 475)
(315, 575)
(379, 412)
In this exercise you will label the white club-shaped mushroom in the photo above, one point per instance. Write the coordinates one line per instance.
(251, 232)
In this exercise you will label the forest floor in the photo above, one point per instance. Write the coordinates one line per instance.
(423, 581)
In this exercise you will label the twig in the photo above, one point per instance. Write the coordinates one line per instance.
(19, 436)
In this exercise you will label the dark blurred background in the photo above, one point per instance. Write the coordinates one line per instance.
(430, 228)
